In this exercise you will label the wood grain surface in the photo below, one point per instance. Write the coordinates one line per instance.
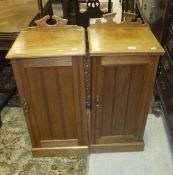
(119, 39)
(38, 42)
(17, 14)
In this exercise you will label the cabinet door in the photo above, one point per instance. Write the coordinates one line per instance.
(53, 89)
(122, 89)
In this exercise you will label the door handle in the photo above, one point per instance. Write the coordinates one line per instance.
(97, 101)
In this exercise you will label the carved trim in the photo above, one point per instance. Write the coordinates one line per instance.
(87, 78)
(128, 17)
(60, 22)
(93, 4)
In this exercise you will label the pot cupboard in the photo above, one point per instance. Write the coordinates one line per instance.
(48, 66)
(124, 65)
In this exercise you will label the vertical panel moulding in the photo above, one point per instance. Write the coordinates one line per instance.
(35, 82)
(77, 97)
(42, 72)
(108, 94)
(82, 101)
(134, 105)
(60, 101)
(93, 111)
(52, 102)
(130, 107)
(114, 99)
(99, 83)
(113, 102)
(67, 97)
(122, 83)
(32, 116)
(141, 95)
(25, 94)
(143, 89)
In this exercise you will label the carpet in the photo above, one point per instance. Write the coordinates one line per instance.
(7, 83)
(15, 151)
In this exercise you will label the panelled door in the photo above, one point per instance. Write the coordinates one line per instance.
(122, 87)
(52, 93)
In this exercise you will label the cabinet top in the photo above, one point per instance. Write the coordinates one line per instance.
(49, 41)
(121, 39)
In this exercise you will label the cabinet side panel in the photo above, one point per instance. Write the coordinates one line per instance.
(149, 85)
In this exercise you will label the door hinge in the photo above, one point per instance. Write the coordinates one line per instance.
(25, 106)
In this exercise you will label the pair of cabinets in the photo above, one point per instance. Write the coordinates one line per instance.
(48, 67)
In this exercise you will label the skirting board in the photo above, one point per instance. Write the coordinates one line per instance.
(84, 150)
(60, 151)
(117, 147)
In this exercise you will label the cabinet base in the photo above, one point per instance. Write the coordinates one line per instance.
(117, 147)
(84, 150)
(60, 151)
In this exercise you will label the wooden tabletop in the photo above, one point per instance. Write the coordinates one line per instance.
(17, 14)
(49, 41)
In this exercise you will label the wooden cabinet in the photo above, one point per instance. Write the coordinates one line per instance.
(125, 58)
(48, 66)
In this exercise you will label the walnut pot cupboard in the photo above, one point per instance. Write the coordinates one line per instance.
(49, 74)
(125, 58)
(48, 67)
